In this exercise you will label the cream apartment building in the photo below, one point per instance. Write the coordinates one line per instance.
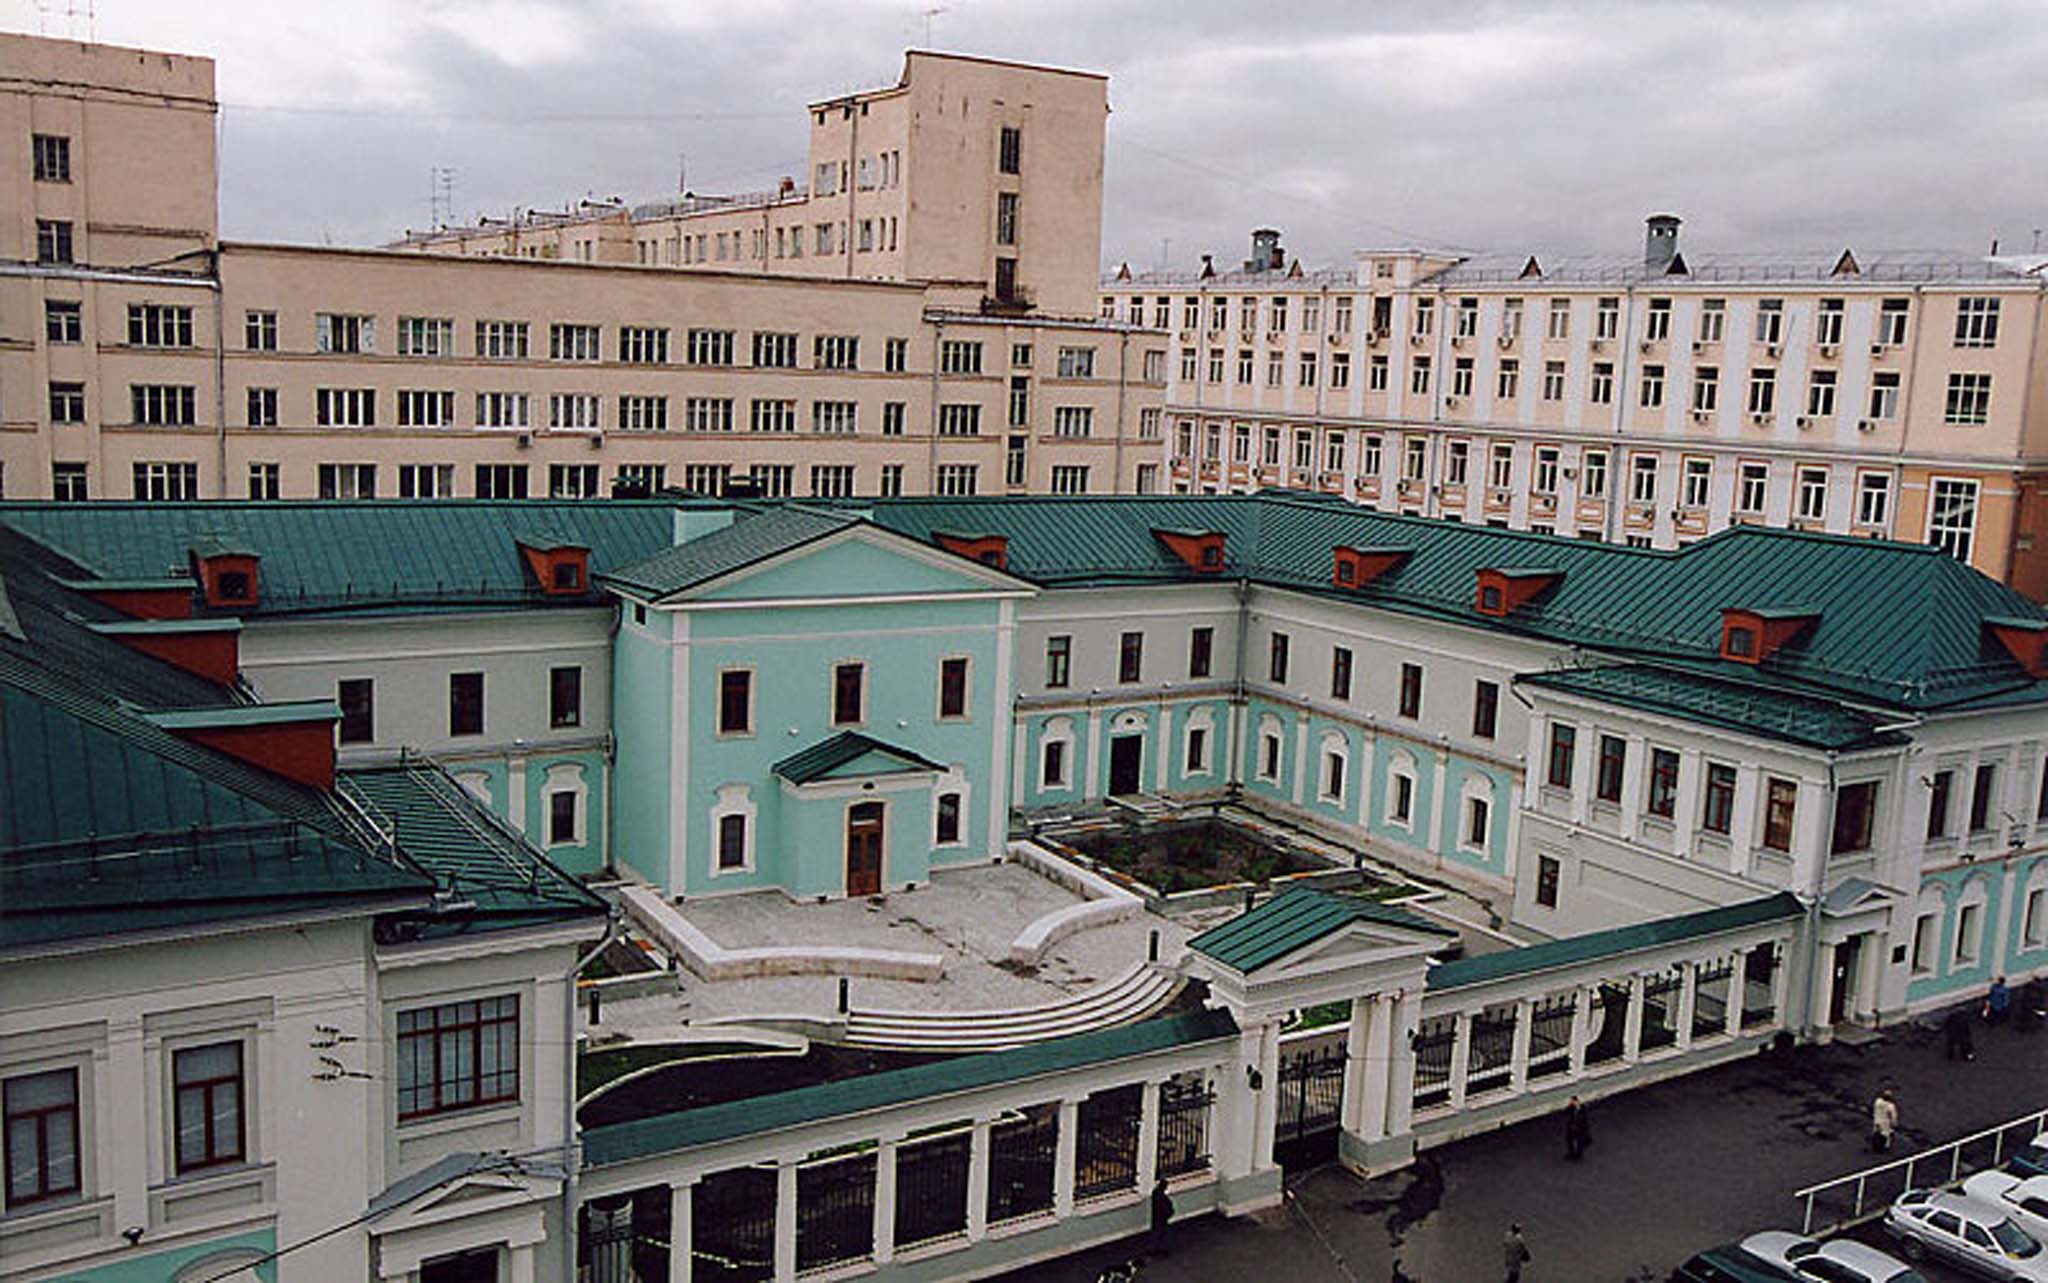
(142, 357)
(1650, 400)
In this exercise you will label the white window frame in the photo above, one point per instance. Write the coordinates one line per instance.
(733, 799)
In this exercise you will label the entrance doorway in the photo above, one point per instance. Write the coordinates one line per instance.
(1126, 764)
(864, 849)
(1844, 987)
(480, 1266)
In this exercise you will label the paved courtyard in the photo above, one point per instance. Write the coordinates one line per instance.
(1675, 1167)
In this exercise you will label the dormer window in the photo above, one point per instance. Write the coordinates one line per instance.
(1212, 556)
(1505, 590)
(1347, 571)
(2026, 640)
(989, 550)
(237, 585)
(1202, 550)
(568, 576)
(1357, 567)
(1490, 599)
(227, 573)
(1752, 636)
(561, 567)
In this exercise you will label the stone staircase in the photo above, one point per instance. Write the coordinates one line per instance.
(1132, 995)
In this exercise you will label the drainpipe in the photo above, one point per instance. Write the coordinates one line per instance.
(931, 460)
(572, 1157)
(1123, 378)
(1898, 500)
(1232, 777)
(220, 380)
(2012, 533)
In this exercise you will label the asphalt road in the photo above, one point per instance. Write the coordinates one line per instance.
(1676, 1167)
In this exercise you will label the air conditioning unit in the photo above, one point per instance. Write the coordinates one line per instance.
(1802, 422)
(1827, 350)
(1699, 416)
(1644, 346)
(525, 440)
(1506, 340)
(1698, 346)
(1771, 350)
(597, 440)
(1418, 338)
(1759, 418)
(1877, 349)
(1450, 401)
(1599, 345)
(1373, 339)
(1865, 425)
(1457, 340)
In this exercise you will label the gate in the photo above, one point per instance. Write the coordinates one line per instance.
(1311, 1096)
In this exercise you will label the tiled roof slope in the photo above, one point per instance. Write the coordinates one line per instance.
(1897, 625)
(1794, 719)
(1293, 919)
(348, 556)
(750, 538)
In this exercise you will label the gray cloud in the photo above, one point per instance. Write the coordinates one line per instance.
(1504, 126)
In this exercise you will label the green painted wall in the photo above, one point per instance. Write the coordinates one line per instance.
(161, 1267)
(642, 700)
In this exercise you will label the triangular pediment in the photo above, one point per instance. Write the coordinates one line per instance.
(1359, 944)
(878, 762)
(861, 561)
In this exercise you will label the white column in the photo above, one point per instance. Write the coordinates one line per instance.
(1401, 1084)
(1870, 964)
(1090, 787)
(1266, 1114)
(1810, 843)
(1357, 1064)
(123, 1124)
(1688, 999)
(1303, 767)
(680, 1230)
(1823, 986)
(1585, 749)
(1439, 761)
(1737, 960)
(1686, 817)
(1781, 984)
(1742, 821)
(785, 1221)
(1164, 782)
(1962, 797)
(1518, 1059)
(1633, 772)
(977, 1181)
(885, 1200)
(515, 793)
(1064, 1148)
(1461, 1058)
(1148, 1135)
(1237, 1109)
(1632, 1025)
(521, 1263)
(1381, 1050)
(1582, 1031)
(1367, 742)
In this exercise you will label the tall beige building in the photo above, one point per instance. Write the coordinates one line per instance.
(1651, 399)
(917, 318)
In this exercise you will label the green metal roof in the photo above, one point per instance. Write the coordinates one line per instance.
(1552, 954)
(684, 1129)
(297, 710)
(1710, 701)
(827, 756)
(355, 556)
(749, 539)
(1634, 602)
(1295, 918)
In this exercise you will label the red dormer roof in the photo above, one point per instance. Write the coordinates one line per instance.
(1357, 567)
(1750, 636)
(1504, 590)
(1202, 550)
(2026, 640)
(989, 550)
(560, 567)
(227, 573)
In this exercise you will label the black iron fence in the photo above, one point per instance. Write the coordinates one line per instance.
(1184, 1106)
(835, 1211)
(732, 1226)
(1759, 975)
(1550, 1035)
(1660, 1010)
(1021, 1153)
(1106, 1141)
(1489, 1061)
(1710, 997)
(931, 1188)
(1432, 1046)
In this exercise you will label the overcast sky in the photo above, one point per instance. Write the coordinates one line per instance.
(1508, 127)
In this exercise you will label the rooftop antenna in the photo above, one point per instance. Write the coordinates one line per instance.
(440, 196)
(2037, 240)
(73, 10)
(929, 14)
(683, 171)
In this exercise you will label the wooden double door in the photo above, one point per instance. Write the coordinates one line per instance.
(864, 849)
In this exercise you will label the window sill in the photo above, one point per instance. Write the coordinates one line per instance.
(459, 1119)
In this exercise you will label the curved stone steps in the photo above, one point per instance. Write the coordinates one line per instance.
(1128, 997)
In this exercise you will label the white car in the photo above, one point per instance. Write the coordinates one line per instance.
(2024, 1198)
(1970, 1233)
(1842, 1261)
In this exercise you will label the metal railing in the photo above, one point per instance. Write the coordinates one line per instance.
(1943, 1165)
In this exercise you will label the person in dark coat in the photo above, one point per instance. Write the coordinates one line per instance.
(1578, 1132)
(1955, 1036)
(1997, 1003)
(1162, 1216)
(1516, 1252)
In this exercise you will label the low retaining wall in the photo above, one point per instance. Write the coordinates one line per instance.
(1105, 902)
(709, 960)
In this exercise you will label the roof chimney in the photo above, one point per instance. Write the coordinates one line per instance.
(1660, 242)
(1266, 252)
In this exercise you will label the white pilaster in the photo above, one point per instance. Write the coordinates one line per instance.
(1582, 1032)
(520, 1263)
(1303, 767)
(1163, 776)
(1401, 1082)
(977, 1181)
(1266, 1112)
(1090, 787)
(1632, 774)
(1357, 1063)
(1064, 1148)
(1821, 991)
(1686, 817)
(1518, 1060)
(1461, 1058)
(1688, 999)
(785, 1221)
(1737, 961)
(1378, 1069)
(1742, 823)
(1148, 1134)
(1632, 1024)
(885, 1200)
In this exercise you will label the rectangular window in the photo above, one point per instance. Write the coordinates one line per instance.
(832, 480)
(1820, 393)
(1982, 790)
(1059, 657)
(345, 407)
(1559, 325)
(159, 325)
(1418, 376)
(1781, 804)
(1070, 478)
(1563, 743)
(892, 417)
(565, 697)
(736, 702)
(53, 240)
(68, 483)
(706, 414)
(426, 336)
(1873, 498)
(458, 1055)
(835, 351)
(1010, 150)
(162, 481)
(1485, 709)
(1546, 881)
(1717, 805)
(1891, 321)
(1663, 792)
(207, 1082)
(1657, 322)
(501, 340)
(1508, 383)
(1941, 798)
(1613, 762)
(1706, 389)
(344, 333)
(1543, 475)
(501, 481)
(732, 841)
(1770, 321)
(162, 405)
(1201, 651)
(1600, 389)
(835, 418)
(1340, 672)
(568, 342)
(1607, 318)
(1763, 390)
(358, 699)
(1969, 399)
(465, 703)
(959, 356)
(1077, 362)
(421, 408)
(1813, 494)
(1855, 817)
(1642, 478)
(1713, 319)
(426, 481)
(52, 158)
(1884, 395)
(709, 347)
(1477, 813)
(63, 322)
(1593, 474)
(1457, 462)
(1073, 421)
(650, 413)
(1425, 316)
(1952, 516)
(1553, 380)
(1653, 387)
(42, 1137)
(1501, 466)
(1130, 660)
(67, 403)
(1276, 659)
(347, 480)
(1340, 370)
(1976, 322)
(849, 694)
(957, 479)
(1411, 690)
(953, 687)
(1697, 477)
(1753, 488)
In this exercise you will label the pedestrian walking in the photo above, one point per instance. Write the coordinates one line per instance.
(1162, 1217)
(1516, 1252)
(1578, 1132)
(1955, 1035)
(1884, 1120)
(1400, 1275)
(1997, 1003)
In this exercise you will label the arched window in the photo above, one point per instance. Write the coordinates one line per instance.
(1475, 809)
(564, 804)
(1336, 768)
(1967, 948)
(1401, 789)
(1056, 755)
(1272, 749)
(1198, 741)
(732, 830)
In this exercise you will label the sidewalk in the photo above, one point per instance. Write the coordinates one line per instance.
(1673, 1168)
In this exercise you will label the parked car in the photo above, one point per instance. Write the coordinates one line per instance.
(1731, 1264)
(1970, 1233)
(1842, 1261)
(2032, 1160)
(2024, 1198)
